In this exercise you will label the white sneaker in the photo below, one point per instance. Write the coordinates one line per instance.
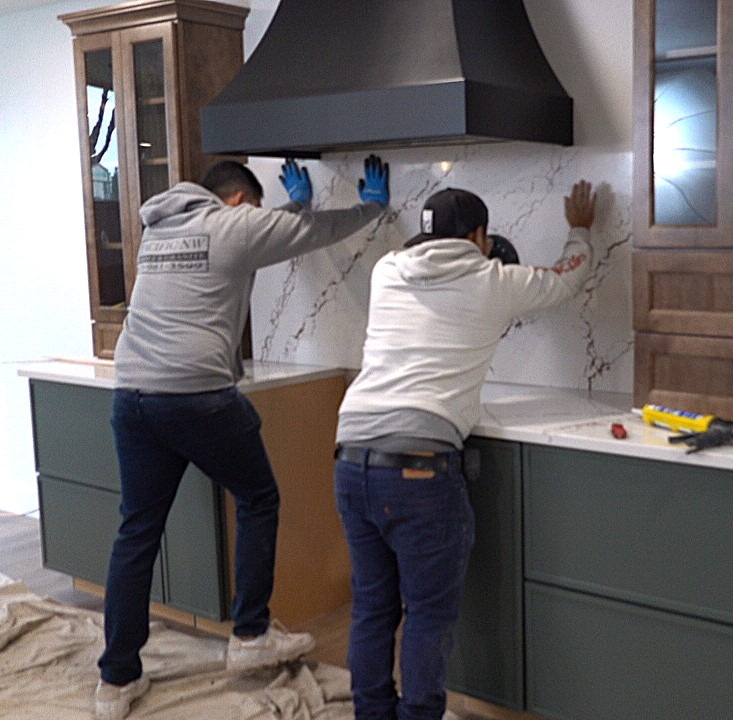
(274, 647)
(112, 702)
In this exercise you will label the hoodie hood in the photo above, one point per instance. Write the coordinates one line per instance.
(438, 261)
(180, 198)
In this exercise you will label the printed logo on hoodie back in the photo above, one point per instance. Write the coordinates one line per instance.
(174, 255)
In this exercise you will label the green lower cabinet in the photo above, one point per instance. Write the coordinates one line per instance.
(629, 587)
(488, 656)
(599, 587)
(78, 526)
(195, 579)
(79, 491)
(654, 533)
(591, 658)
(72, 436)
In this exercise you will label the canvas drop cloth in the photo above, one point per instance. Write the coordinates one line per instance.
(48, 655)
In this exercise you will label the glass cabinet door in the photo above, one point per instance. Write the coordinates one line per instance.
(150, 103)
(685, 122)
(103, 170)
(151, 118)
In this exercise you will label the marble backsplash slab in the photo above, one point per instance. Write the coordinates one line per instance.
(313, 309)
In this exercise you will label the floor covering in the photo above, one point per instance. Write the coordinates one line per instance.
(48, 654)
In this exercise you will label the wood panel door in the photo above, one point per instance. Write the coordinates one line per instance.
(683, 292)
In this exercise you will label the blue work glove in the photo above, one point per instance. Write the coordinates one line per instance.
(296, 182)
(374, 186)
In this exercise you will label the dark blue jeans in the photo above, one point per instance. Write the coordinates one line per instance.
(156, 437)
(410, 540)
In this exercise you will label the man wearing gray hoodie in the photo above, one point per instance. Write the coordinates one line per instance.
(177, 363)
(437, 310)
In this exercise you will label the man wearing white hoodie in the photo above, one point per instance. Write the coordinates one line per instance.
(437, 311)
(177, 364)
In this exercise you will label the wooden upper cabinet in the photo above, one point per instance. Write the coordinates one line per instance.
(683, 144)
(685, 292)
(683, 317)
(687, 372)
(144, 69)
(683, 205)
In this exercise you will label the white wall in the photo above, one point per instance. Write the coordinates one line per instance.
(44, 303)
(44, 307)
(589, 46)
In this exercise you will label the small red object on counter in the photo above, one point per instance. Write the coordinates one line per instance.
(618, 431)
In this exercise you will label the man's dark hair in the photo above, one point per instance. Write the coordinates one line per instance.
(229, 177)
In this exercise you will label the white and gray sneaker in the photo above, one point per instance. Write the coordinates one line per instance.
(274, 647)
(112, 702)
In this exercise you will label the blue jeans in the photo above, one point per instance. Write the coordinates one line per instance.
(410, 541)
(156, 437)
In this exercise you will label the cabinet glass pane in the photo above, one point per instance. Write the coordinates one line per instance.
(151, 118)
(105, 176)
(685, 113)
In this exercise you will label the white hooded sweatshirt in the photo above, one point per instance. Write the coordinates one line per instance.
(436, 314)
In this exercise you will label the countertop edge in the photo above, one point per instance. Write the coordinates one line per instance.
(258, 376)
(525, 414)
(643, 441)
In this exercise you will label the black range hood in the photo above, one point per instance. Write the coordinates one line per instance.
(331, 75)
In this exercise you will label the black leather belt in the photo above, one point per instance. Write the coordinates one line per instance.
(376, 458)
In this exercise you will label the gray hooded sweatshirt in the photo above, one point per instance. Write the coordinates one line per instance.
(195, 271)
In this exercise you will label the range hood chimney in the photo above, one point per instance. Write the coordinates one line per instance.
(333, 75)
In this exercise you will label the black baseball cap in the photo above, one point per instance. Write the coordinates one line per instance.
(450, 213)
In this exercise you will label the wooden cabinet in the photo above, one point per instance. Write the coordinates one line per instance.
(683, 204)
(683, 144)
(312, 566)
(144, 69)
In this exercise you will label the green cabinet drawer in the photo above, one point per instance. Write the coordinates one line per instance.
(488, 659)
(195, 549)
(78, 526)
(72, 435)
(79, 486)
(590, 658)
(650, 532)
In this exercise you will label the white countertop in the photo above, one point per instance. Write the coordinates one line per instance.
(582, 421)
(94, 372)
(101, 373)
(521, 413)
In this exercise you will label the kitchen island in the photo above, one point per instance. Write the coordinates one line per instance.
(601, 582)
(78, 486)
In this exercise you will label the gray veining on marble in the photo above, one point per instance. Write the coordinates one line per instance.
(313, 309)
